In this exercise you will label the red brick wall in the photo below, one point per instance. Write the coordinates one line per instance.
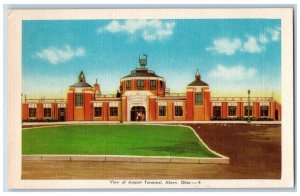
(54, 111)
(39, 111)
(147, 84)
(272, 110)
(239, 109)
(124, 108)
(278, 107)
(256, 112)
(88, 106)
(25, 111)
(133, 85)
(170, 111)
(189, 105)
(224, 107)
(152, 109)
(207, 106)
(70, 108)
(105, 111)
(243, 109)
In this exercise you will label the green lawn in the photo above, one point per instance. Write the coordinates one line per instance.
(144, 140)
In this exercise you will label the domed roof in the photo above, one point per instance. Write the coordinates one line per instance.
(81, 84)
(142, 71)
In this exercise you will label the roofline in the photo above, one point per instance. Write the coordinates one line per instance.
(82, 86)
(142, 77)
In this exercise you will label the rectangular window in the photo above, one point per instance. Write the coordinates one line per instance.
(264, 111)
(97, 111)
(198, 98)
(246, 110)
(152, 84)
(32, 112)
(78, 99)
(113, 111)
(47, 112)
(178, 111)
(140, 84)
(162, 111)
(216, 111)
(128, 85)
(231, 110)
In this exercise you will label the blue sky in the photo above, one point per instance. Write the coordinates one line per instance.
(233, 55)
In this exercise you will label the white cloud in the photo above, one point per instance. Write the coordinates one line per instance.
(225, 46)
(274, 33)
(149, 30)
(56, 55)
(263, 39)
(251, 45)
(233, 73)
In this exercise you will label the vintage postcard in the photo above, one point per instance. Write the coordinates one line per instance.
(150, 98)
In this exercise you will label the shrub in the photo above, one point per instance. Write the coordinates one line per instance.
(41, 120)
(241, 118)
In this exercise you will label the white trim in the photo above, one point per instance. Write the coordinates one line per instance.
(142, 78)
(61, 105)
(216, 103)
(137, 98)
(264, 103)
(178, 103)
(113, 104)
(78, 90)
(246, 104)
(32, 105)
(47, 105)
(97, 104)
(162, 103)
(232, 104)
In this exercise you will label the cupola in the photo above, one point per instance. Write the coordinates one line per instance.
(198, 81)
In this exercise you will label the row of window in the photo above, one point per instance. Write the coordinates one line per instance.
(162, 111)
(264, 111)
(113, 111)
(140, 84)
(32, 112)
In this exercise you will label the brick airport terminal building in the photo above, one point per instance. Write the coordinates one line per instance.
(143, 96)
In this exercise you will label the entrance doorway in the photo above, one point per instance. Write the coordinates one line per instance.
(138, 113)
(61, 114)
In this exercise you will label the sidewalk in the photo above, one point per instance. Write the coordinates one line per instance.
(152, 122)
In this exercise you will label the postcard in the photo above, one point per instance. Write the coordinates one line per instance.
(150, 98)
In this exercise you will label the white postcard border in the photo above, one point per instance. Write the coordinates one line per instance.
(14, 62)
